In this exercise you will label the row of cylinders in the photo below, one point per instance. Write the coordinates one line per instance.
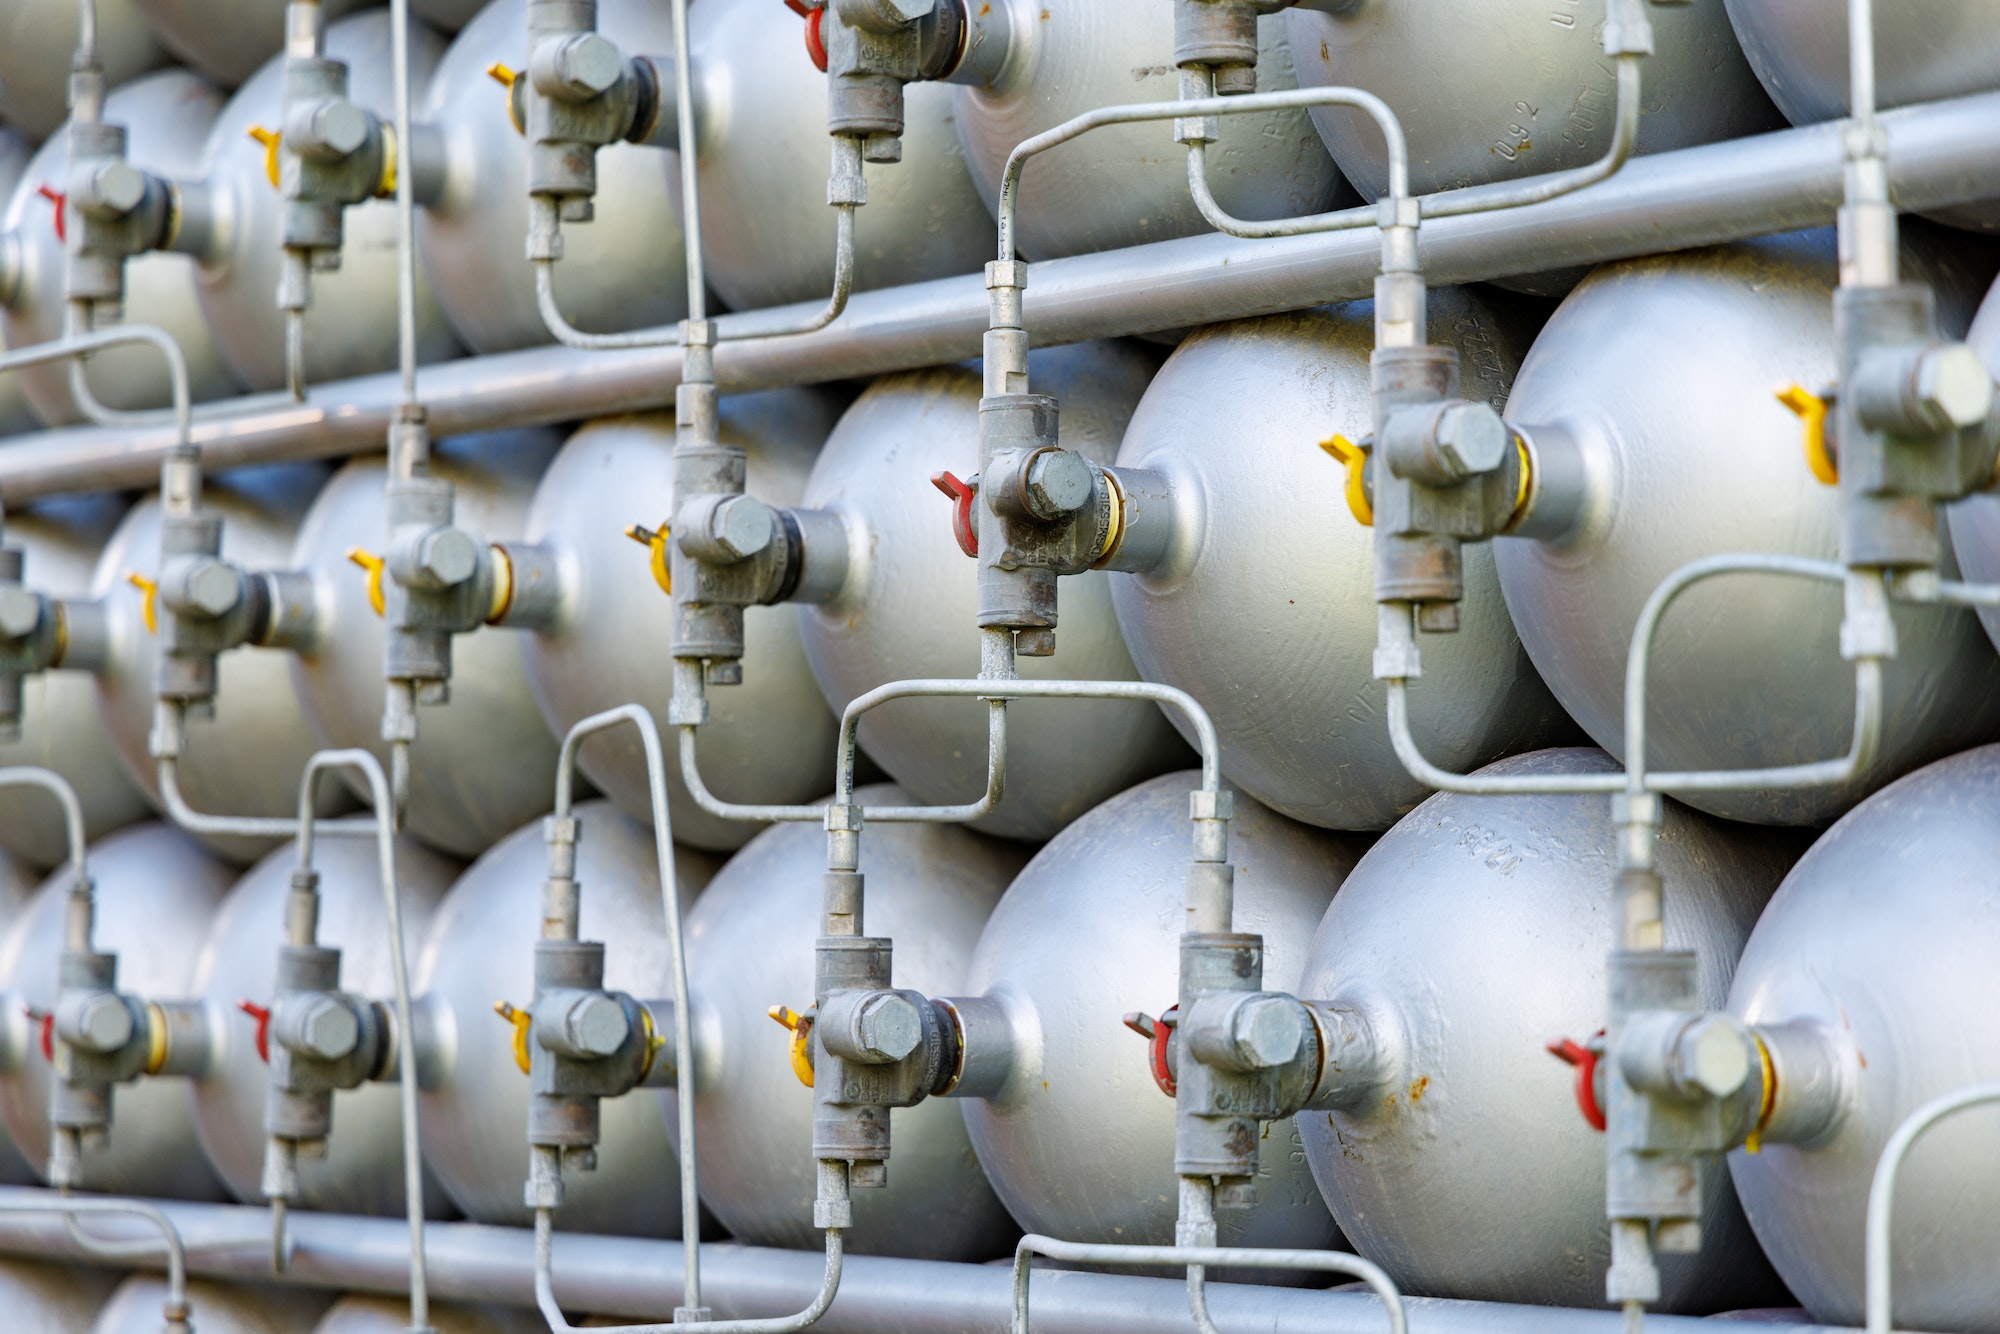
(759, 106)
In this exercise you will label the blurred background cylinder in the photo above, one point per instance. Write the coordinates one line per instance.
(1925, 50)
(38, 44)
(1128, 184)
(52, 1299)
(483, 762)
(764, 156)
(1975, 521)
(750, 946)
(18, 883)
(1265, 611)
(157, 891)
(351, 327)
(247, 758)
(769, 739)
(624, 270)
(60, 541)
(1881, 939)
(362, 1170)
(16, 148)
(907, 607)
(357, 1314)
(216, 1308)
(1665, 372)
(226, 40)
(1080, 1142)
(481, 950)
(1470, 935)
(166, 116)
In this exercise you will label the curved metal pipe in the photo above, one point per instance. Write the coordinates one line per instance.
(54, 783)
(1882, 1190)
(82, 342)
(70, 1206)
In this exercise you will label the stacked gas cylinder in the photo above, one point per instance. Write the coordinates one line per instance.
(1461, 934)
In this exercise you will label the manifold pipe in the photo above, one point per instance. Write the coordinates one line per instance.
(1941, 153)
(634, 1277)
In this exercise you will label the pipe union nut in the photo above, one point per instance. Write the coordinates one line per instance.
(115, 189)
(582, 67)
(742, 526)
(1059, 482)
(20, 611)
(1953, 385)
(595, 1024)
(206, 587)
(100, 1022)
(446, 557)
(1471, 438)
(327, 1029)
(1712, 1055)
(888, 1027)
(1266, 1032)
(331, 129)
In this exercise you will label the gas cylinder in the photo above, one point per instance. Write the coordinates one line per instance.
(356, 1314)
(1080, 1141)
(38, 45)
(1531, 90)
(750, 946)
(1664, 373)
(60, 541)
(15, 151)
(907, 609)
(18, 883)
(166, 116)
(1975, 521)
(764, 155)
(625, 270)
(362, 1171)
(1270, 577)
(1470, 935)
(1897, 985)
(481, 950)
(157, 891)
(769, 739)
(246, 759)
(226, 40)
(484, 762)
(1128, 184)
(448, 15)
(351, 328)
(51, 1299)
(1925, 50)
(215, 1308)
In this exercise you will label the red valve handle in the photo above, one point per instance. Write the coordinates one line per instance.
(262, 1015)
(1584, 1058)
(961, 494)
(815, 44)
(60, 200)
(1157, 1032)
(46, 1019)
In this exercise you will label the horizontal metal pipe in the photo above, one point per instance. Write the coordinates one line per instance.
(1941, 153)
(626, 1276)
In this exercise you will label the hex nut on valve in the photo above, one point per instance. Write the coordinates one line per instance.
(115, 188)
(336, 127)
(1266, 1032)
(741, 526)
(20, 612)
(211, 588)
(889, 1027)
(596, 1024)
(587, 65)
(1712, 1055)
(446, 557)
(1471, 438)
(328, 1029)
(102, 1024)
(1953, 386)
(1059, 482)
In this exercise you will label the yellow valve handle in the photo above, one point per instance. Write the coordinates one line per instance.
(801, 1027)
(373, 564)
(1811, 409)
(149, 603)
(1355, 459)
(656, 540)
(520, 1020)
(507, 76)
(270, 139)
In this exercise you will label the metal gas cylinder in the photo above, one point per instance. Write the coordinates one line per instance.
(226, 39)
(38, 45)
(1080, 1142)
(1128, 184)
(1975, 521)
(1531, 90)
(362, 1172)
(481, 950)
(61, 540)
(214, 1308)
(355, 1314)
(750, 946)
(247, 758)
(764, 154)
(1881, 939)
(1664, 372)
(1271, 576)
(1925, 50)
(447, 15)
(625, 270)
(770, 739)
(51, 1299)
(166, 116)
(1470, 935)
(484, 762)
(351, 327)
(18, 883)
(908, 606)
(157, 891)
(15, 151)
